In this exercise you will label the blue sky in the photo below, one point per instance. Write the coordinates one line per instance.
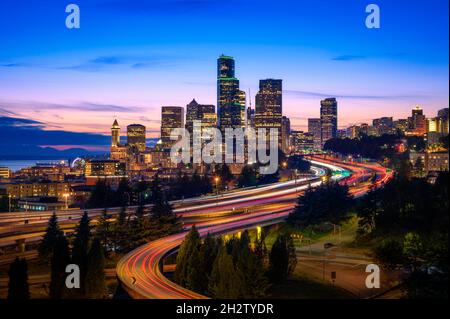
(131, 57)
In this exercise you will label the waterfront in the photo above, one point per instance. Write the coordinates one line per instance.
(15, 165)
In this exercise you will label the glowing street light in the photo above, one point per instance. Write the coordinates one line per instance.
(66, 196)
(9, 203)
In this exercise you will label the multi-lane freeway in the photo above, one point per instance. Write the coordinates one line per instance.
(30, 226)
(140, 271)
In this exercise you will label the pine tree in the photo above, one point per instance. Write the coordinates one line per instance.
(59, 262)
(80, 247)
(121, 219)
(103, 229)
(47, 244)
(226, 279)
(190, 245)
(18, 288)
(95, 273)
(279, 260)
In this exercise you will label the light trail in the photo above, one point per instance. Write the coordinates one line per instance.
(140, 270)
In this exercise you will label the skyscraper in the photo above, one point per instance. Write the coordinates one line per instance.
(206, 115)
(230, 100)
(199, 112)
(136, 137)
(384, 125)
(315, 129)
(172, 117)
(285, 134)
(269, 106)
(328, 119)
(417, 121)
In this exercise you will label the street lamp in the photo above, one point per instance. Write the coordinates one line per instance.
(216, 180)
(284, 164)
(66, 196)
(9, 203)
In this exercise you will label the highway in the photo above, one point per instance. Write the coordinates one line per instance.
(141, 273)
(30, 226)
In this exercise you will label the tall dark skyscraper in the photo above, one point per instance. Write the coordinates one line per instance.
(136, 137)
(269, 106)
(200, 112)
(328, 119)
(172, 117)
(315, 128)
(230, 100)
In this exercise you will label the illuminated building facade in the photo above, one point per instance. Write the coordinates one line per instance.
(172, 117)
(269, 106)
(314, 128)
(230, 99)
(136, 138)
(328, 119)
(302, 142)
(285, 134)
(384, 125)
(117, 151)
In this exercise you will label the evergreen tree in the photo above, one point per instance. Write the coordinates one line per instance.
(121, 218)
(248, 177)
(190, 246)
(81, 246)
(48, 242)
(103, 229)
(59, 262)
(282, 259)
(122, 195)
(18, 280)
(226, 280)
(95, 273)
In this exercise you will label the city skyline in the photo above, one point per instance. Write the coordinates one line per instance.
(372, 73)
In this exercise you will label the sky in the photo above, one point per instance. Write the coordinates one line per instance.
(130, 57)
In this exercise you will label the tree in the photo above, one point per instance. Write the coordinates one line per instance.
(121, 218)
(189, 247)
(123, 193)
(413, 250)
(248, 177)
(297, 162)
(367, 212)
(18, 288)
(103, 229)
(225, 175)
(60, 260)
(226, 279)
(327, 203)
(101, 195)
(95, 273)
(80, 247)
(48, 242)
(282, 258)
(389, 253)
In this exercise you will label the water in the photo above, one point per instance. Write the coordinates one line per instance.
(15, 165)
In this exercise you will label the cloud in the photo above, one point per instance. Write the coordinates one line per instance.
(351, 96)
(104, 63)
(81, 106)
(349, 57)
